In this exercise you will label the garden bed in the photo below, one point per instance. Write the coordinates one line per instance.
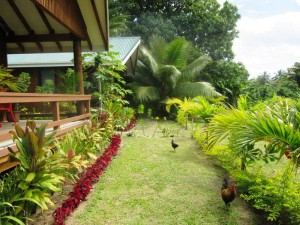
(150, 183)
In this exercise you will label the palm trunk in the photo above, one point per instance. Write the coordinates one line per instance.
(186, 123)
(243, 164)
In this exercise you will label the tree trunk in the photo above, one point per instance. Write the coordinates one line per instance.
(243, 164)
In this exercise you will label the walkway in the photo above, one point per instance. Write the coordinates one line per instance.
(149, 183)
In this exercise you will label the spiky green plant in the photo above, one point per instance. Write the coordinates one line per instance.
(198, 107)
(36, 180)
(276, 124)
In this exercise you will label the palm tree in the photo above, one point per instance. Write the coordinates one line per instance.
(117, 22)
(294, 73)
(163, 72)
(278, 124)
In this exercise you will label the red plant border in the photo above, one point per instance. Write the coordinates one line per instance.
(83, 187)
(130, 125)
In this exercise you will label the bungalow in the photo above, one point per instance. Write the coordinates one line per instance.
(42, 66)
(52, 27)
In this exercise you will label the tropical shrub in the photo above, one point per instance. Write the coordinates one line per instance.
(127, 114)
(36, 180)
(6, 217)
(23, 82)
(259, 135)
(196, 108)
(278, 125)
(67, 159)
(68, 82)
(103, 124)
(278, 196)
(47, 88)
(141, 110)
(276, 193)
(7, 81)
(106, 84)
(88, 141)
(10, 211)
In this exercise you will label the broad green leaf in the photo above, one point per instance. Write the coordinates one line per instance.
(28, 193)
(30, 177)
(20, 131)
(23, 185)
(14, 135)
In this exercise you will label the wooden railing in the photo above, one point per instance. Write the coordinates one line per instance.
(57, 123)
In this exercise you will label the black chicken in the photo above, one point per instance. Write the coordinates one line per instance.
(228, 192)
(174, 145)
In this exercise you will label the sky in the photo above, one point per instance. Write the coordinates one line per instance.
(269, 35)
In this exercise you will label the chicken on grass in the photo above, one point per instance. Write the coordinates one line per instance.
(174, 145)
(228, 192)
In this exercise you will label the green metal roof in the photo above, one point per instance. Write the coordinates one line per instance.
(126, 46)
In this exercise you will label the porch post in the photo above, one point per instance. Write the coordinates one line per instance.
(78, 71)
(55, 113)
(78, 65)
(3, 49)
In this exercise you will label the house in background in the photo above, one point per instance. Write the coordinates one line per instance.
(43, 66)
(63, 29)
(52, 27)
(38, 26)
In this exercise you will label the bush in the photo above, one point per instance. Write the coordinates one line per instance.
(35, 179)
(278, 196)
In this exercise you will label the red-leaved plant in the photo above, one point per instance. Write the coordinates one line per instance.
(130, 125)
(83, 187)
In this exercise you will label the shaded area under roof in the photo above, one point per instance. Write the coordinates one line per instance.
(39, 26)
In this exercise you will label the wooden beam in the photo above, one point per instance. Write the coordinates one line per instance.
(56, 113)
(107, 24)
(10, 32)
(5, 27)
(79, 73)
(99, 23)
(78, 64)
(16, 97)
(24, 22)
(66, 13)
(3, 49)
(40, 38)
(48, 25)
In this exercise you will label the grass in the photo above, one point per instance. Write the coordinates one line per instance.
(149, 183)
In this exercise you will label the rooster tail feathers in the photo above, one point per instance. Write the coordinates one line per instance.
(225, 183)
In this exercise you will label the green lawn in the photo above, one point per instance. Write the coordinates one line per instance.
(149, 183)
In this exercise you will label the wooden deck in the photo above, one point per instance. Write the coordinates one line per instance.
(61, 125)
(7, 126)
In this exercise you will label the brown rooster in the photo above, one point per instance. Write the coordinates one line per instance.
(228, 193)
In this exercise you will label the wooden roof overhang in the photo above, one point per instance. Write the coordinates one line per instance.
(37, 26)
(44, 26)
